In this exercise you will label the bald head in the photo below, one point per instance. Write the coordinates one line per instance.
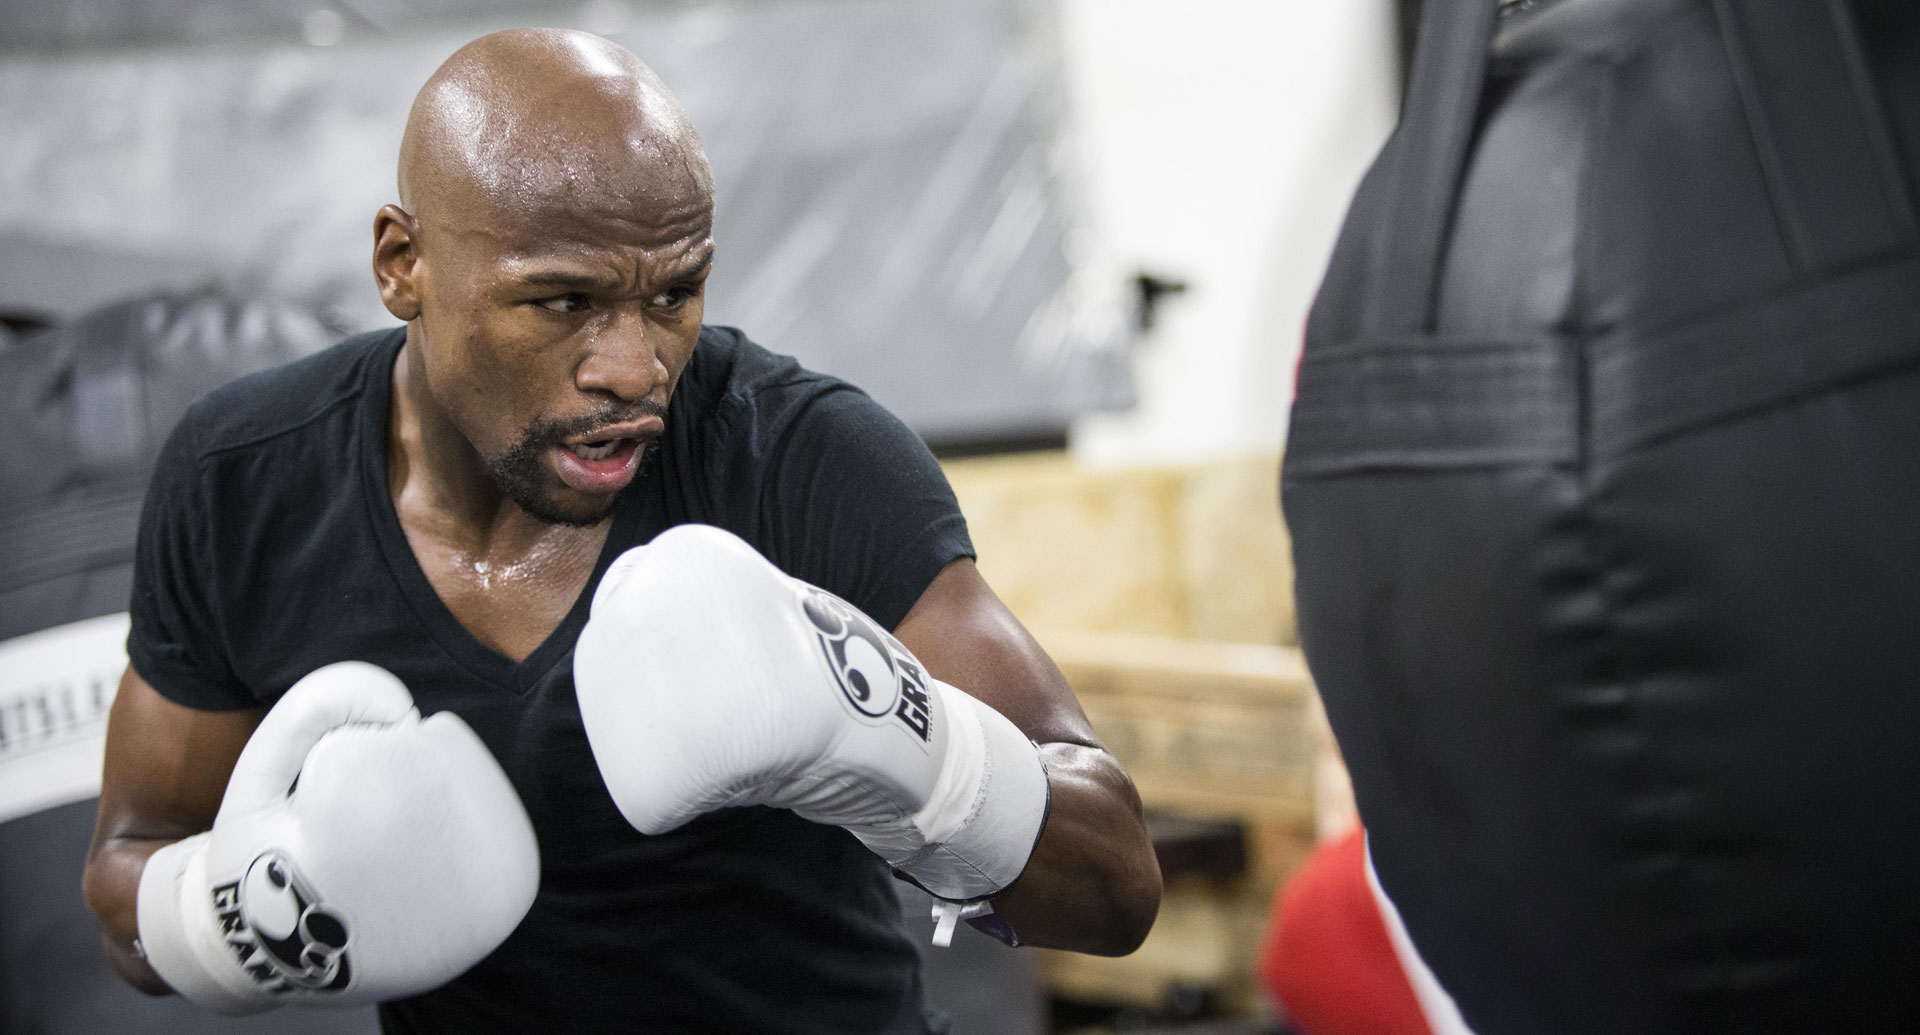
(528, 119)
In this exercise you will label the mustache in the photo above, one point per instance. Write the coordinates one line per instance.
(553, 430)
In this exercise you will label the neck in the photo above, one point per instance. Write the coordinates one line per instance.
(440, 482)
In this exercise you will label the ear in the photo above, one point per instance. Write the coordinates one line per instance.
(396, 261)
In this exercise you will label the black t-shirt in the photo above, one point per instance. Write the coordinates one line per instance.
(270, 547)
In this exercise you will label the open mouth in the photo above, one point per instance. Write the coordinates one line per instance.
(601, 465)
(606, 459)
(597, 450)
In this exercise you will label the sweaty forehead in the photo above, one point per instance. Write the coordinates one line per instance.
(544, 127)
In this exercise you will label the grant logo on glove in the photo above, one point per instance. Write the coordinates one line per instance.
(279, 930)
(879, 678)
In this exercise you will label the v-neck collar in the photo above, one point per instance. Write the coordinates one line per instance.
(476, 657)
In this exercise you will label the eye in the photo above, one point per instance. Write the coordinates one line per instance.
(571, 302)
(674, 298)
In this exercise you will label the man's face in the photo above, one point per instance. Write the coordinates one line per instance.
(552, 334)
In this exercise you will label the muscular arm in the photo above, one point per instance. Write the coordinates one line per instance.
(166, 770)
(1092, 884)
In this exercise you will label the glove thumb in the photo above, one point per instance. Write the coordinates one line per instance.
(340, 694)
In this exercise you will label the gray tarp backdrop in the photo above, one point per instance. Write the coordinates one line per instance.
(895, 205)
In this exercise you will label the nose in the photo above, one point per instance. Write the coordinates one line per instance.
(622, 360)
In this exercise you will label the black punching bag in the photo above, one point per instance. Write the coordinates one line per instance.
(1604, 486)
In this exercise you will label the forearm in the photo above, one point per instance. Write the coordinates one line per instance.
(1092, 884)
(112, 887)
(165, 770)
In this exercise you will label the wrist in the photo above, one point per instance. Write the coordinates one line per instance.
(180, 935)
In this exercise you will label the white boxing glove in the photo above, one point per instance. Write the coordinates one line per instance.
(401, 857)
(708, 678)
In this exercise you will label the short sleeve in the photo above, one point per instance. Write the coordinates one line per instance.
(853, 502)
(174, 642)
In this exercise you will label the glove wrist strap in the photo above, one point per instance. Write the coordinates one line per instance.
(985, 816)
(179, 932)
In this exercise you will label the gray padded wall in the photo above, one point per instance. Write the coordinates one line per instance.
(892, 206)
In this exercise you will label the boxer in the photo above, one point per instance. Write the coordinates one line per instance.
(714, 616)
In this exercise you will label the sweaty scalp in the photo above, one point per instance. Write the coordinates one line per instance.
(530, 118)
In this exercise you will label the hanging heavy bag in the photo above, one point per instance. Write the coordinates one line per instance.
(83, 411)
(1604, 488)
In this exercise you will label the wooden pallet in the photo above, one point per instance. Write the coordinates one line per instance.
(1206, 730)
(1166, 595)
(1195, 552)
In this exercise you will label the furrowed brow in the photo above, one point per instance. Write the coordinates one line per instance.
(559, 279)
(695, 270)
